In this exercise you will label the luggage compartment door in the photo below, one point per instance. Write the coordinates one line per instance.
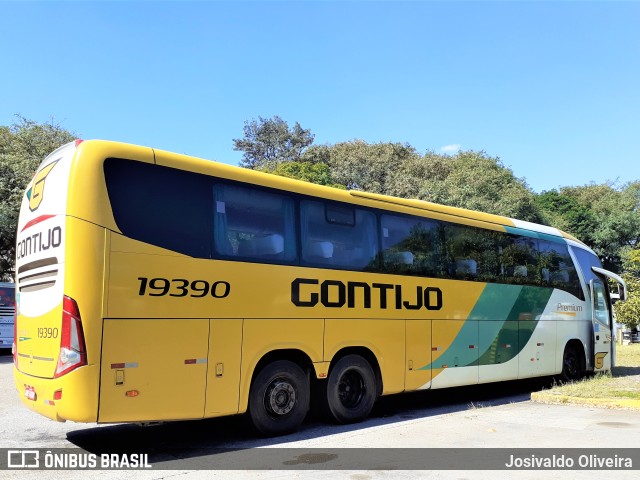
(153, 369)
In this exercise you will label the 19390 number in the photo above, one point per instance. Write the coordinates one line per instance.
(180, 287)
(47, 333)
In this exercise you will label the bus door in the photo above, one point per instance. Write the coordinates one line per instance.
(602, 326)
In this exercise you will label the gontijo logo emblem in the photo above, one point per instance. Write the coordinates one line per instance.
(599, 359)
(36, 192)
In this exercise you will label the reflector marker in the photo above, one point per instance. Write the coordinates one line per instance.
(115, 366)
(506, 345)
(49, 402)
(435, 349)
(195, 361)
(541, 344)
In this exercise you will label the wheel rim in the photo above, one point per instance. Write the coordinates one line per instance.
(280, 397)
(351, 388)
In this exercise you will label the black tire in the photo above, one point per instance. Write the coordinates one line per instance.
(279, 398)
(573, 364)
(351, 390)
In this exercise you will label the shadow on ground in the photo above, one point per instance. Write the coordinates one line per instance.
(626, 371)
(168, 442)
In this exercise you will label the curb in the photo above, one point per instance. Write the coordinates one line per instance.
(550, 398)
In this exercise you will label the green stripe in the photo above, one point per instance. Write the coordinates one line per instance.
(492, 308)
(504, 314)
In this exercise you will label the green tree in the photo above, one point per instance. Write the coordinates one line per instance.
(23, 146)
(360, 165)
(567, 213)
(268, 142)
(628, 312)
(605, 217)
(312, 172)
(476, 181)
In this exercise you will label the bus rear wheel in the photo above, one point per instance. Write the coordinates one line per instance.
(351, 390)
(279, 398)
(572, 364)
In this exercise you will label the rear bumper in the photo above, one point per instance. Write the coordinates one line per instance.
(79, 401)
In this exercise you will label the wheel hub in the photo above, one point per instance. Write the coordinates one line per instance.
(281, 397)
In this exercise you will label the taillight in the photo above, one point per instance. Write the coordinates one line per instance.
(14, 345)
(73, 353)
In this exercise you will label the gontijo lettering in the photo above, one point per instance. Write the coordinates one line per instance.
(335, 294)
(39, 242)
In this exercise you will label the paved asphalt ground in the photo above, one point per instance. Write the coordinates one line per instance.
(489, 416)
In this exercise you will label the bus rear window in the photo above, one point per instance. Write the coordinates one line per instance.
(162, 206)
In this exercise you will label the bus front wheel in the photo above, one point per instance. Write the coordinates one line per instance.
(350, 390)
(279, 398)
(572, 364)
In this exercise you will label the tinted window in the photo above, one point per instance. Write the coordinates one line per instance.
(162, 206)
(411, 246)
(473, 253)
(254, 224)
(337, 236)
(557, 269)
(520, 260)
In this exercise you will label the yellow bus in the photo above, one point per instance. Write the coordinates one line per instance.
(154, 286)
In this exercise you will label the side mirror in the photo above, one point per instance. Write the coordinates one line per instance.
(622, 286)
(615, 297)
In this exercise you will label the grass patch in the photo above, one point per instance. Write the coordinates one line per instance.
(621, 387)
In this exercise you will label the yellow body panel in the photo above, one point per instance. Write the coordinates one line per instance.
(418, 348)
(79, 402)
(153, 369)
(223, 373)
(38, 353)
(85, 277)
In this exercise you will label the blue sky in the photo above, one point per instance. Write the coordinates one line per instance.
(552, 88)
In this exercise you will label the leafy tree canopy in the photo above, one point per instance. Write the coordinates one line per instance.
(269, 141)
(605, 217)
(23, 146)
(312, 172)
(477, 181)
(567, 213)
(628, 312)
(360, 165)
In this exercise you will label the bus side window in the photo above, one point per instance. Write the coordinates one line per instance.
(519, 259)
(472, 253)
(253, 224)
(337, 235)
(411, 246)
(557, 269)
